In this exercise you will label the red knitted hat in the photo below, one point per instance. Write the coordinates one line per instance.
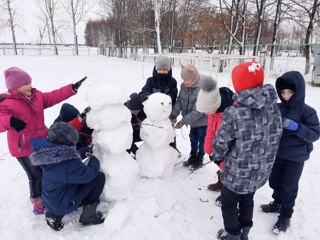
(247, 75)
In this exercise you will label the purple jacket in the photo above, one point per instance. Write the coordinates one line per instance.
(31, 112)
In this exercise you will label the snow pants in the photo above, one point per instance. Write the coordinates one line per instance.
(284, 180)
(197, 136)
(237, 210)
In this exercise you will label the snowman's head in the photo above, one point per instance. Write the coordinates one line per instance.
(158, 106)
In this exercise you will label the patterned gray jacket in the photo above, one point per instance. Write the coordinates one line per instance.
(248, 139)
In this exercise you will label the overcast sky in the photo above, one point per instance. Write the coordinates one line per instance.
(29, 23)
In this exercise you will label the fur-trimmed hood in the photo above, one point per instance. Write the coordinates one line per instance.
(46, 152)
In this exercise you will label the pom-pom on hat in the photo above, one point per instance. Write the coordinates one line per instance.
(189, 72)
(63, 133)
(163, 63)
(208, 100)
(247, 75)
(134, 102)
(68, 112)
(15, 78)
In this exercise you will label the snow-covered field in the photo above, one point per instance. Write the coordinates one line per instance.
(179, 207)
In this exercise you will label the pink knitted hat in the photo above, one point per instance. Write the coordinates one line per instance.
(16, 77)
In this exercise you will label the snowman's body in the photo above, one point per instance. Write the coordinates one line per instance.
(155, 157)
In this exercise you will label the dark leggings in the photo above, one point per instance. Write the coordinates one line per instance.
(34, 174)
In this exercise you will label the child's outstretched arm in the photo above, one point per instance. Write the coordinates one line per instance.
(58, 95)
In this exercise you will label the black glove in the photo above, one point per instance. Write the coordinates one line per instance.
(83, 115)
(76, 85)
(89, 151)
(17, 124)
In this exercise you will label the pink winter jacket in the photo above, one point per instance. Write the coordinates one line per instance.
(214, 121)
(32, 113)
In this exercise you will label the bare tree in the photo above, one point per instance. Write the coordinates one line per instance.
(6, 6)
(230, 17)
(260, 16)
(48, 8)
(305, 13)
(312, 13)
(187, 10)
(76, 10)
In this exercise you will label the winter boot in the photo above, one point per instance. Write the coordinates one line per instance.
(218, 201)
(198, 162)
(245, 233)
(272, 207)
(191, 160)
(218, 185)
(38, 207)
(281, 225)
(224, 235)
(90, 215)
(54, 221)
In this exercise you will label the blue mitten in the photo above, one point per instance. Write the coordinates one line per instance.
(290, 124)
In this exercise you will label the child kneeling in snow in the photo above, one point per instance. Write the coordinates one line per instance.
(67, 183)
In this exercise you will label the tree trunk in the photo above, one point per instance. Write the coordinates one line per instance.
(53, 32)
(275, 31)
(74, 25)
(244, 29)
(308, 36)
(260, 12)
(157, 25)
(12, 26)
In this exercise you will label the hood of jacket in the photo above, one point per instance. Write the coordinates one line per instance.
(46, 152)
(295, 78)
(226, 98)
(259, 97)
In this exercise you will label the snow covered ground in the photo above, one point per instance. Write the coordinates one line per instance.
(179, 207)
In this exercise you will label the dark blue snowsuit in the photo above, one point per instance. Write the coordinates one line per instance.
(295, 146)
(67, 182)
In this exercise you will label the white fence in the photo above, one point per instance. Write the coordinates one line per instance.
(214, 64)
(33, 50)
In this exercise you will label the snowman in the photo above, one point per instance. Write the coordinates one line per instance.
(112, 135)
(155, 157)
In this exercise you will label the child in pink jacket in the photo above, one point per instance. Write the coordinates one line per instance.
(22, 117)
(213, 103)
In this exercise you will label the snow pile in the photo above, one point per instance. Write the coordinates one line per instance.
(112, 135)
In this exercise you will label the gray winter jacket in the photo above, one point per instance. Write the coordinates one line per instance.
(186, 104)
(248, 139)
